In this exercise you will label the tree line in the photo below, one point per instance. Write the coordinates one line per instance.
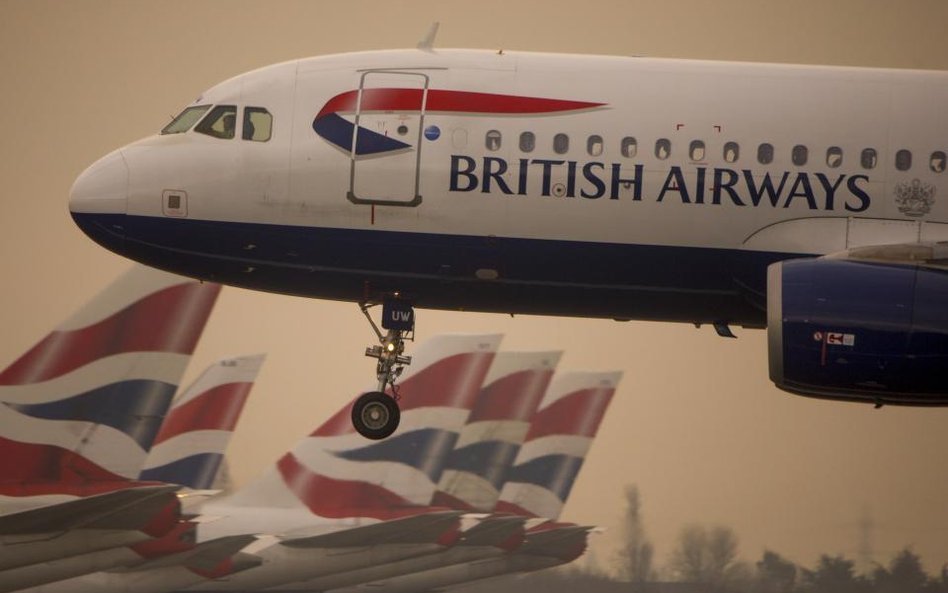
(707, 557)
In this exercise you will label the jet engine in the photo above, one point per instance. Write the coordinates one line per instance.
(867, 325)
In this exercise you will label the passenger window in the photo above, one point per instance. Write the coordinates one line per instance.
(732, 152)
(800, 155)
(528, 142)
(258, 124)
(594, 145)
(663, 148)
(492, 140)
(903, 160)
(629, 147)
(696, 150)
(765, 153)
(560, 143)
(834, 156)
(219, 123)
(937, 162)
(185, 120)
(869, 158)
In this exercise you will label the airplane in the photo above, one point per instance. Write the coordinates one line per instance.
(78, 413)
(476, 469)
(187, 451)
(537, 483)
(805, 200)
(473, 472)
(336, 503)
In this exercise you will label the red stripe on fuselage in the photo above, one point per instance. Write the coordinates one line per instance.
(438, 100)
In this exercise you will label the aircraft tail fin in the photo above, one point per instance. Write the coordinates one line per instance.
(190, 446)
(554, 450)
(86, 402)
(476, 469)
(336, 473)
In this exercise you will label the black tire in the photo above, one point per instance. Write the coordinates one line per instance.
(375, 415)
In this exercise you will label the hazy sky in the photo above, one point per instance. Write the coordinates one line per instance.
(696, 422)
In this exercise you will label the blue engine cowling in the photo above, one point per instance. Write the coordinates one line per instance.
(861, 331)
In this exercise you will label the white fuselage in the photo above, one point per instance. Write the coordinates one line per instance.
(482, 180)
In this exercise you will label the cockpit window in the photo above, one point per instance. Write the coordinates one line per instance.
(258, 124)
(185, 120)
(219, 123)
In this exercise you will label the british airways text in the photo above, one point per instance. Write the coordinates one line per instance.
(594, 180)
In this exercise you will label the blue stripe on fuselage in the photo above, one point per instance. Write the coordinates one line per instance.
(536, 276)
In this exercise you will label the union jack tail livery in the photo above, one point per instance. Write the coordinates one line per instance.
(335, 473)
(476, 469)
(556, 446)
(85, 403)
(190, 446)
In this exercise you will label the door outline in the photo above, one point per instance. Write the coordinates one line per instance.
(350, 194)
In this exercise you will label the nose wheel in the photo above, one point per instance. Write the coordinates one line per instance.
(375, 415)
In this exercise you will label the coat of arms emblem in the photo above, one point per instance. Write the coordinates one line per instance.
(915, 198)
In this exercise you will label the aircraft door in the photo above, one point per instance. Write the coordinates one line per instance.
(386, 151)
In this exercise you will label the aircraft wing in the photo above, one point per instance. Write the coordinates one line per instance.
(558, 542)
(207, 555)
(931, 255)
(415, 529)
(130, 508)
(506, 532)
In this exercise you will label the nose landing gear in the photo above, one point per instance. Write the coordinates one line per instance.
(375, 415)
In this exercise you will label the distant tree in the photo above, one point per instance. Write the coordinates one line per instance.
(689, 559)
(636, 555)
(939, 585)
(833, 574)
(709, 557)
(721, 552)
(774, 574)
(904, 575)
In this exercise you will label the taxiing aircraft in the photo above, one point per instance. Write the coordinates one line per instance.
(626, 188)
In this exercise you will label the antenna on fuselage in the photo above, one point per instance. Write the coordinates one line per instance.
(427, 43)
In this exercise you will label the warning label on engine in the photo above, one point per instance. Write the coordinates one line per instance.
(840, 339)
(835, 338)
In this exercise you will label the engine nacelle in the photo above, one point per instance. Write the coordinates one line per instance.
(857, 330)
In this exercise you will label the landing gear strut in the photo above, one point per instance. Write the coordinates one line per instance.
(375, 414)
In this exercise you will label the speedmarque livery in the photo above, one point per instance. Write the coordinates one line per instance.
(627, 188)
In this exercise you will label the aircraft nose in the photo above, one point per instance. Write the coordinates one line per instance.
(102, 188)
